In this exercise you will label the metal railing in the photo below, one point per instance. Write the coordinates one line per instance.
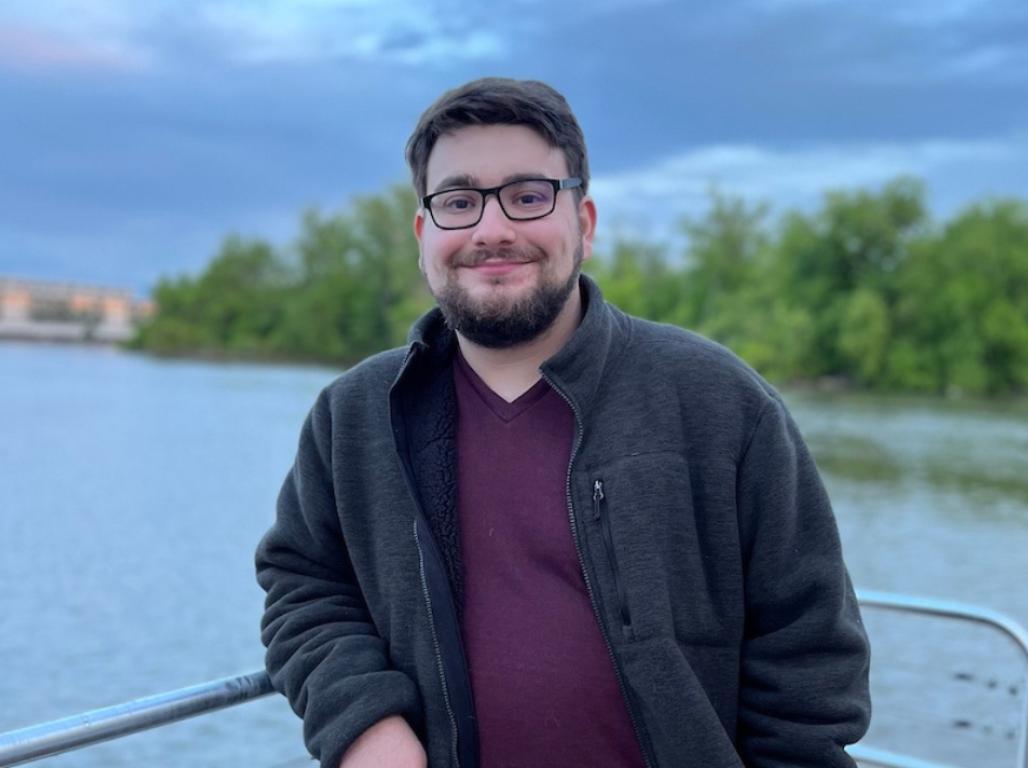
(82, 730)
(949, 610)
(53, 738)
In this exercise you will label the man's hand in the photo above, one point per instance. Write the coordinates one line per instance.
(389, 743)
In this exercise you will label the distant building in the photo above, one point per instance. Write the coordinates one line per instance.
(46, 311)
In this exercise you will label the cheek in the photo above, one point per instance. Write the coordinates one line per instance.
(438, 249)
(432, 260)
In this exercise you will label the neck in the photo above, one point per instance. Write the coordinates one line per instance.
(512, 371)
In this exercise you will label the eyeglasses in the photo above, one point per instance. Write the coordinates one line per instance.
(521, 200)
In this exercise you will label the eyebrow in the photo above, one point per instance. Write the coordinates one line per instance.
(462, 180)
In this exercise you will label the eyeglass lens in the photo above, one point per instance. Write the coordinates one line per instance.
(519, 200)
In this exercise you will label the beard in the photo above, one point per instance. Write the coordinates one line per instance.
(499, 323)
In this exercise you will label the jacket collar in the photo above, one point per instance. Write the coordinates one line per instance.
(575, 370)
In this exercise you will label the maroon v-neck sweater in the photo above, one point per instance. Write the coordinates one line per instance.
(543, 682)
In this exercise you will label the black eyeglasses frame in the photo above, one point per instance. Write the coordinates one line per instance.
(571, 182)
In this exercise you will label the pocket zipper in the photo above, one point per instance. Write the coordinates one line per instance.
(608, 540)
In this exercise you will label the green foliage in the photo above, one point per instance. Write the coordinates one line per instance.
(725, 254)
(864, 335)
(864, 290)
(233, 306)
(638, 279)
(854, 244)
(347, 288)
(356, 286)
(964, 304)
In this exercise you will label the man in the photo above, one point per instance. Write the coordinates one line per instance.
(547, 533)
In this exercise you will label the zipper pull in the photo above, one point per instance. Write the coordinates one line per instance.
(597, 498)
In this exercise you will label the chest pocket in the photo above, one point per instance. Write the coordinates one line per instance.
(662, 538)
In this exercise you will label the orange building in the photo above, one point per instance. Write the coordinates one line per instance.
(37, 309)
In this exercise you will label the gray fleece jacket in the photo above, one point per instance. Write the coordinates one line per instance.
(711, 557)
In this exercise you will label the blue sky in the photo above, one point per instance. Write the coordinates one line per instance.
(135, 135)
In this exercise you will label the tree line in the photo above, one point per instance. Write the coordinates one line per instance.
(866, 290)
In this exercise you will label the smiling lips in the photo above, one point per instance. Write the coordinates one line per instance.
(498, 266)
(496, 263)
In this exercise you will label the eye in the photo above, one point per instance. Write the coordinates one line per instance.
(528, 196)
(457, 202)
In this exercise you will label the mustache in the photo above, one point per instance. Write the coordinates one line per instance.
(482, 255)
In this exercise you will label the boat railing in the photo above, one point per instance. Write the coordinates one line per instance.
(53, 738)
(48, 739)
(946, 609)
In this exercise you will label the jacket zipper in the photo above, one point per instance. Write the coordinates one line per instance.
(608, 541)
(437, 649)
(639, 735)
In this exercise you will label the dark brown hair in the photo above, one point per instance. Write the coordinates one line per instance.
(500, 101)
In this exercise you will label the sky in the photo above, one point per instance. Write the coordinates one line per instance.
(135, 135)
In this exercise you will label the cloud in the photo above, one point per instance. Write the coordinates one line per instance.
(929, 13)
(653, 197)
(404, 31)
(916, 12)
(251, 106)
(995, 62)
(913, 43)
(107, 32)
(432, 32)
(36, 48)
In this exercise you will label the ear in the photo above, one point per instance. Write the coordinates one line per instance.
(419, 224)
(587, 225)
(419, 230)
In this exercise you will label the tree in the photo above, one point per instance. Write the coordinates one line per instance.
(964, 309)
(724, 252)
(638, 278)
(863, 288)
(234, 305)
(856, 242)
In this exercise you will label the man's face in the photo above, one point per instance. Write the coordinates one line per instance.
(502, 282)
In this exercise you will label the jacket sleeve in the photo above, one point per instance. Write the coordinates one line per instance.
(323, 651)
(805, 656)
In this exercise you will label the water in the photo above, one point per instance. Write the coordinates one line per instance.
(932, 500)
(133, 492)
(132, 495)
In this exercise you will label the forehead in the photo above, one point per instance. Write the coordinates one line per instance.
(488, 154)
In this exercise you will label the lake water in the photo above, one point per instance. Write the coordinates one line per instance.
(133, 492)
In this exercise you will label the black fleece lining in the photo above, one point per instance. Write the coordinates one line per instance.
(432, 436)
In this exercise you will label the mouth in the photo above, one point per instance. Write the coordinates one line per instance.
(496, 263)
(498, 266)
(502, 257)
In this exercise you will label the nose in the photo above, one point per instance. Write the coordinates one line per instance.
(494, 228)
